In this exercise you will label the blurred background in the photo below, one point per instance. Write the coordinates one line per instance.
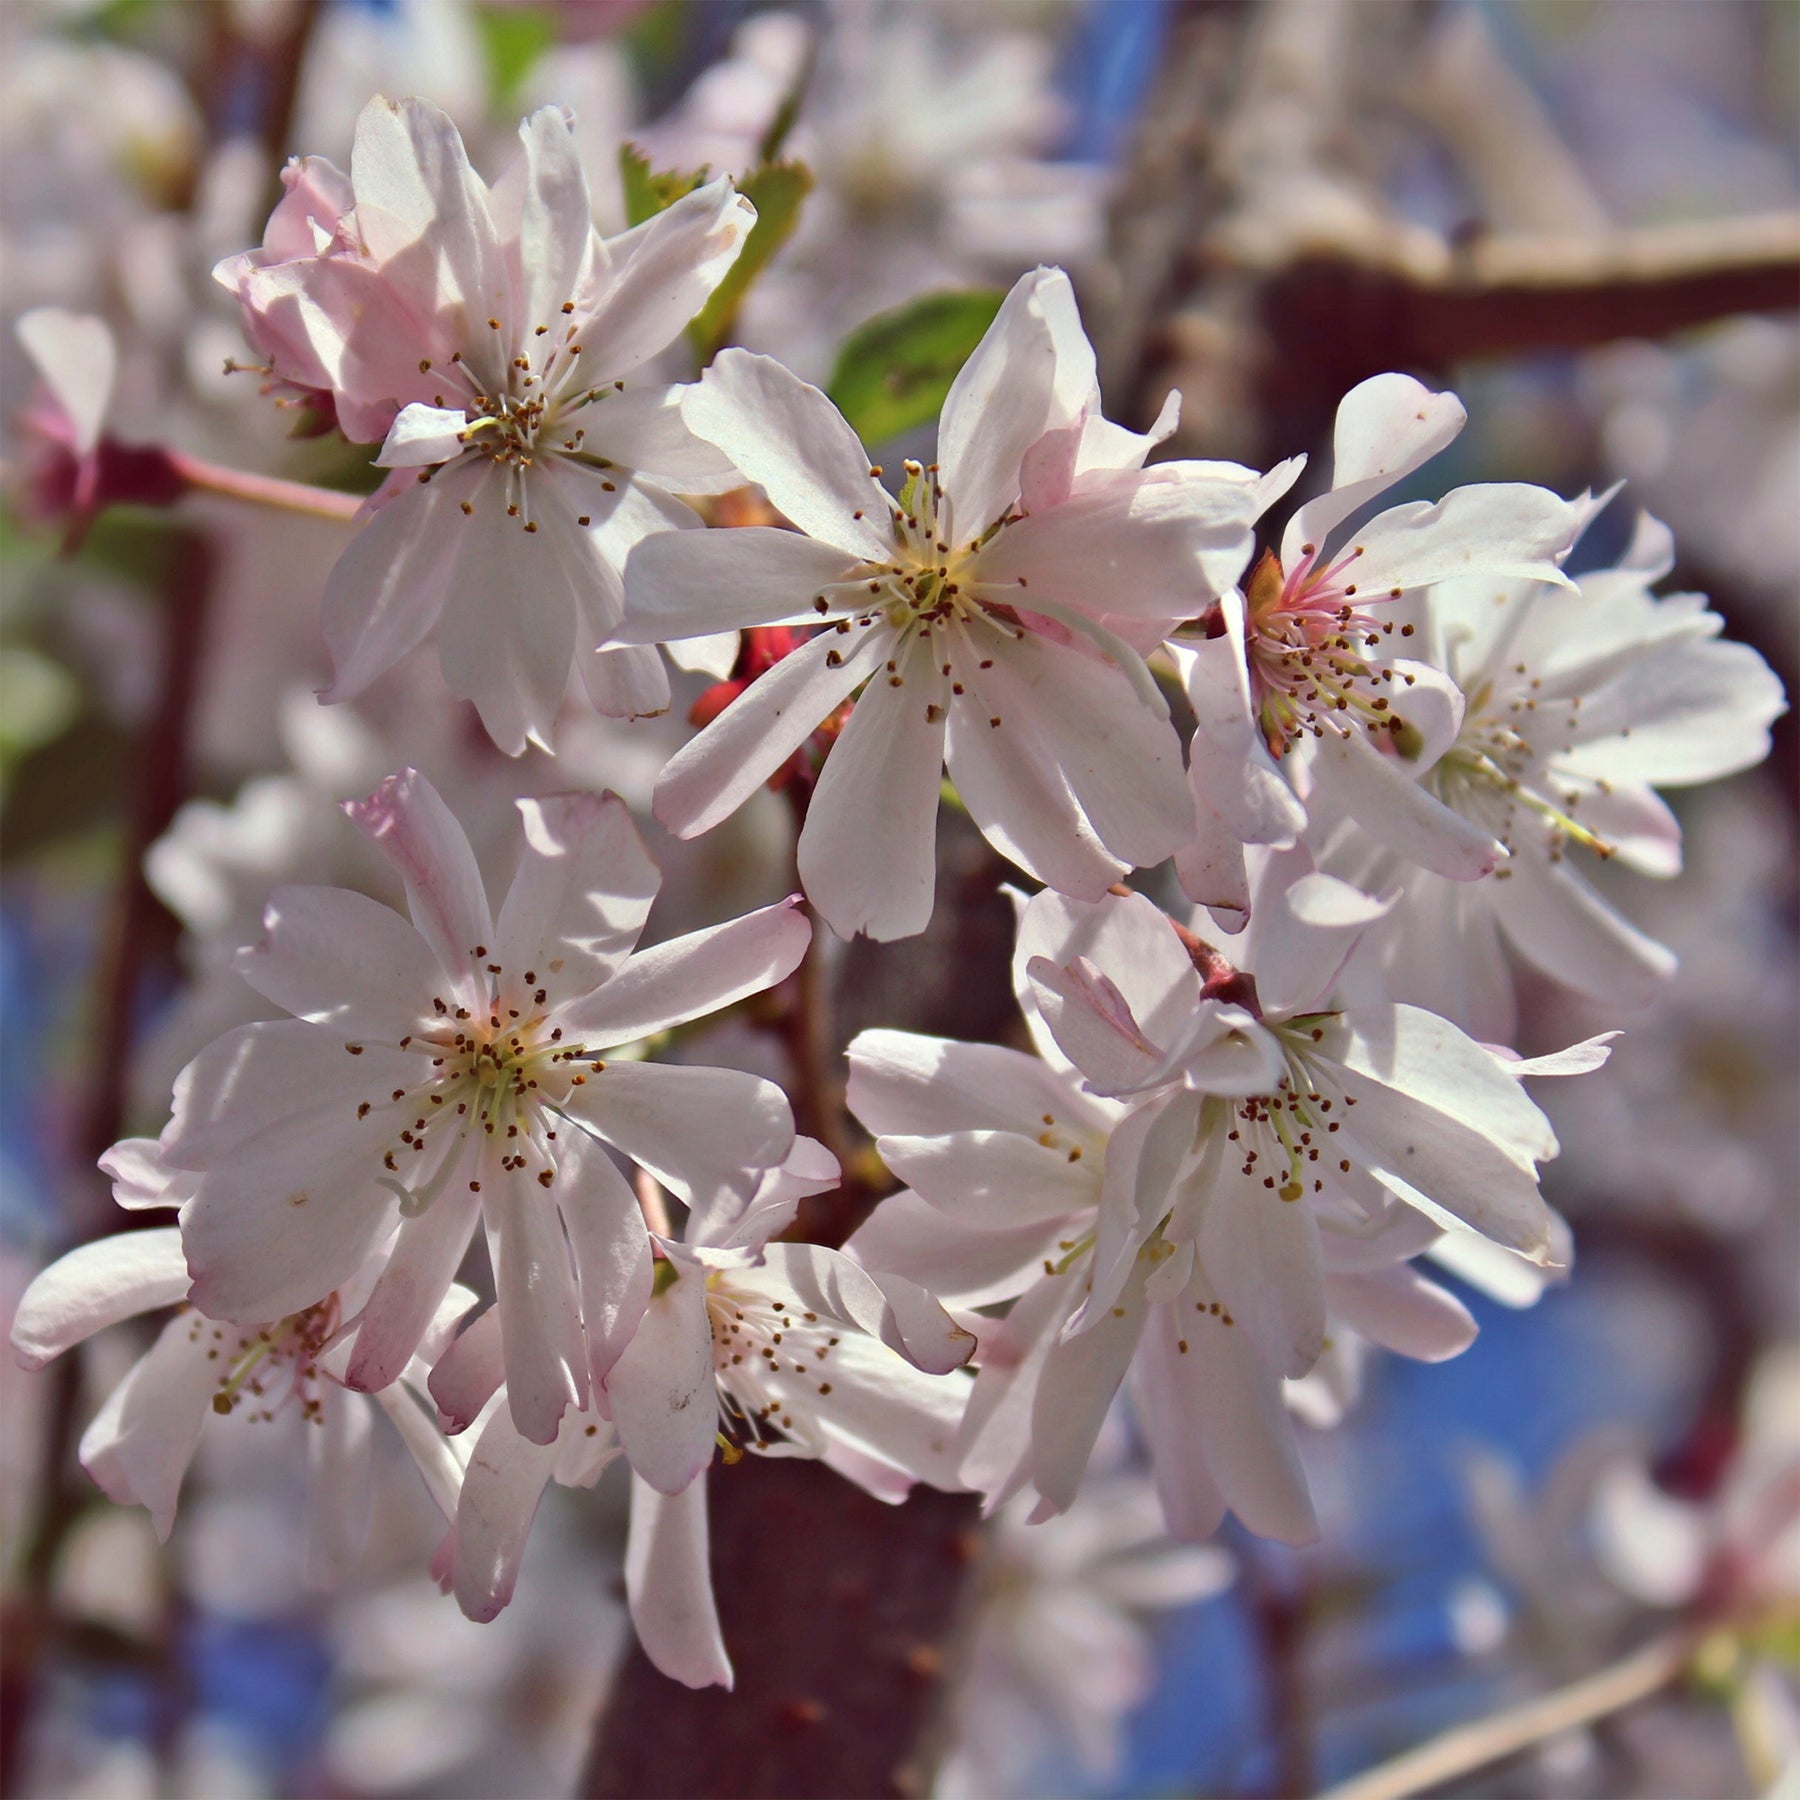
(1579, 213)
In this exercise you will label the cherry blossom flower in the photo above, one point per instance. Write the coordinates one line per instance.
(454, 1070)
(994, 616)
(487, 338)
(1581, 704)
(141, 1441)
(1304, 655)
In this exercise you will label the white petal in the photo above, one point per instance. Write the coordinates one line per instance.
(96, 1285)
(962, 1265)
(341, 959)
(994, 1180)
(337, 1511)
(1262, 1255)
(583, 889)
(662, 1390)
(423, 435)
(681, 584)
(712, 775)
(555, 219)
(701, 1132)
(1386, 427)
(1031, 373)
(611, 1246)
(664, 272)
(687, 977)
(1402, 1311)
(907, 1085)
(1493, 529)
(868, 850)
(901, 1314)
(141, 1441)
(500, 1493)
(1558, 921)
(540, 1321)
(76, 355)
(1079, 1379)
(793, 443)
(1304, 928)
(668, 1580)
(469, 1373)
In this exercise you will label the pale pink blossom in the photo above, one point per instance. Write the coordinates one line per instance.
(994, 617)
(493, 343)
(458, 1070)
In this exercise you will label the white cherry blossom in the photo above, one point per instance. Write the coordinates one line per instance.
(456, 1070)
(994, 616)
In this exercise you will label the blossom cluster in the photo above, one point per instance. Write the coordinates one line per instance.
(1290, 804)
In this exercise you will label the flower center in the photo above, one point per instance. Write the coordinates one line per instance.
(771, 1361)
(503, 1072)
(259, 1372)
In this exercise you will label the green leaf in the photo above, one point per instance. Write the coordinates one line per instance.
(776, 191)
(646, 191)
(894, 370)
(512, 39)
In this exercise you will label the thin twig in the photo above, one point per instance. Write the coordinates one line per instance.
(1465, 1748)
(266, 490)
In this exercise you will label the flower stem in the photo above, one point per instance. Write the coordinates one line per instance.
(265, 490)
(1466, 1748)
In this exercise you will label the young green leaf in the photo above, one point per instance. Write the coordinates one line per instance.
(893, 370)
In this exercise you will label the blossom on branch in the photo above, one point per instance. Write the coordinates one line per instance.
(491, 341)
(994, 616)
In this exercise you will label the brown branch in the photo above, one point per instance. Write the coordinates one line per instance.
(837, 1611)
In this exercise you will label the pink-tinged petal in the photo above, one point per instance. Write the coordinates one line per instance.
(338, 958)
(1556, 920)
(643, 430)
(584, 887)
(963, 1265)
(794, 444)
(540, 1320)
(1080, 1378)
(611, 1247)
(868, 851)
(898, 1312)
(283, 1090)
(690, 976)
(996, 1433)
(1156, 544)
(469, 1373)
(386, 592)
(1386, 427)
(1402, 1311)
(338, 1491)
(422, 435)
(663, 272)
(700, 1132)
(1211, 868)
(1192, 1506)
(884, 1408)
(1093, 1024)
(1119, 755)
(1032, 372)
(143, 1438)
(1105, 445)
(1381, 792)
(994, 1180)
(141, 1180)
(407, 820)
(501, 1489)
(76, 356)
(1261, 1252)
(668, 1581)
(809, 1168)
(682, 584)
(555, 220)
(96, 1285)
(905, 1085)
(1493, 529)
(415, 191)
(662, 1391)
(1302, 932)
(426, 1255)
(1128, 937)
(712, 775)
(1048, 470)
(1007, 776)
(1229, 767)
(264, 1241)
